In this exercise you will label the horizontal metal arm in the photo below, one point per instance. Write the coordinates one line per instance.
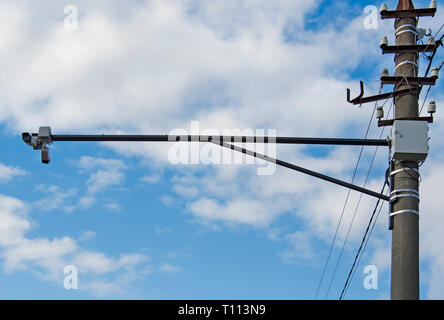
(306, 171)
(39, 141)
(203, 138)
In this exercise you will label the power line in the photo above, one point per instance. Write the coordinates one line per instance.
(362, 244)
(356, 209)
(428, 91)
(425, 98)
(374, 223)
(439, 42)
(346, 200)
(365, 246)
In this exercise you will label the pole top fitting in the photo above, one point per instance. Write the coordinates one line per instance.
(432, 4)
(405, 5)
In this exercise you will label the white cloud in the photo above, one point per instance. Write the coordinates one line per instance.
(112, 206)
(151, 179)
(54, 198)
(99, 263)
(48, 257)
(186, 191)
(87, 201)
(87, 236)
(169, 268)
(103, 174)
(101, 180)
(301, 249)
(186, 252)
(242, 76)
(7, 173)
(13, 222)
(167, 200)
(162, 230)
(431, 222)
(274, 234)
(238, 211)
(109, 173)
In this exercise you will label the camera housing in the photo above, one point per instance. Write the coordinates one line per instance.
(40, 141)
(45, 155)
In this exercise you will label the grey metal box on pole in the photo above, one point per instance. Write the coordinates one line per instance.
(409, 140)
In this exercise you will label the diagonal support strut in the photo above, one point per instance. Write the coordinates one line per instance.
(303, 170)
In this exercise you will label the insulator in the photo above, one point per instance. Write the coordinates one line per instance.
(384, 7)
(379, 113)
(384, 42)
(385, 73)
(432, 4)
(435, 73)
(431, 107)
(431, 41)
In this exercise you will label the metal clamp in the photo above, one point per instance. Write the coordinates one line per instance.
(404, 31)
(404, 211)
(414, 31)
(404, 196)
(404, 169)
(404, 190)
(405, 62)
(406, 25)
(412, 193)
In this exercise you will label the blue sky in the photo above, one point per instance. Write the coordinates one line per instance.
(137, 226)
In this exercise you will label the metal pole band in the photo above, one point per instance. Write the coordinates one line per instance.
(404, 190)
(404, 169)
(404, 196)
(404, 31)
(407, 25)
(404, 211)
(405, 62)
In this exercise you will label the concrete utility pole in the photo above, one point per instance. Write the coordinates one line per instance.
(405, 233)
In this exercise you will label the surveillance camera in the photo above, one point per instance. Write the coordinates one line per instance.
(45, 155)
(44, 135)
(29, 140)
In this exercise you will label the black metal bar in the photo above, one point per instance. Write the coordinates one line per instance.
(361, 85)
(413, 13)
(409, 80)
(303, 170)
(385, 123)
(201, 138)
(384, 96)
(408, 48)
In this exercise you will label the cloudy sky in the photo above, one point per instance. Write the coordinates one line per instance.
(136, 225)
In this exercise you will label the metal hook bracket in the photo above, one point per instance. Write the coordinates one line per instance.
(358, 98)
